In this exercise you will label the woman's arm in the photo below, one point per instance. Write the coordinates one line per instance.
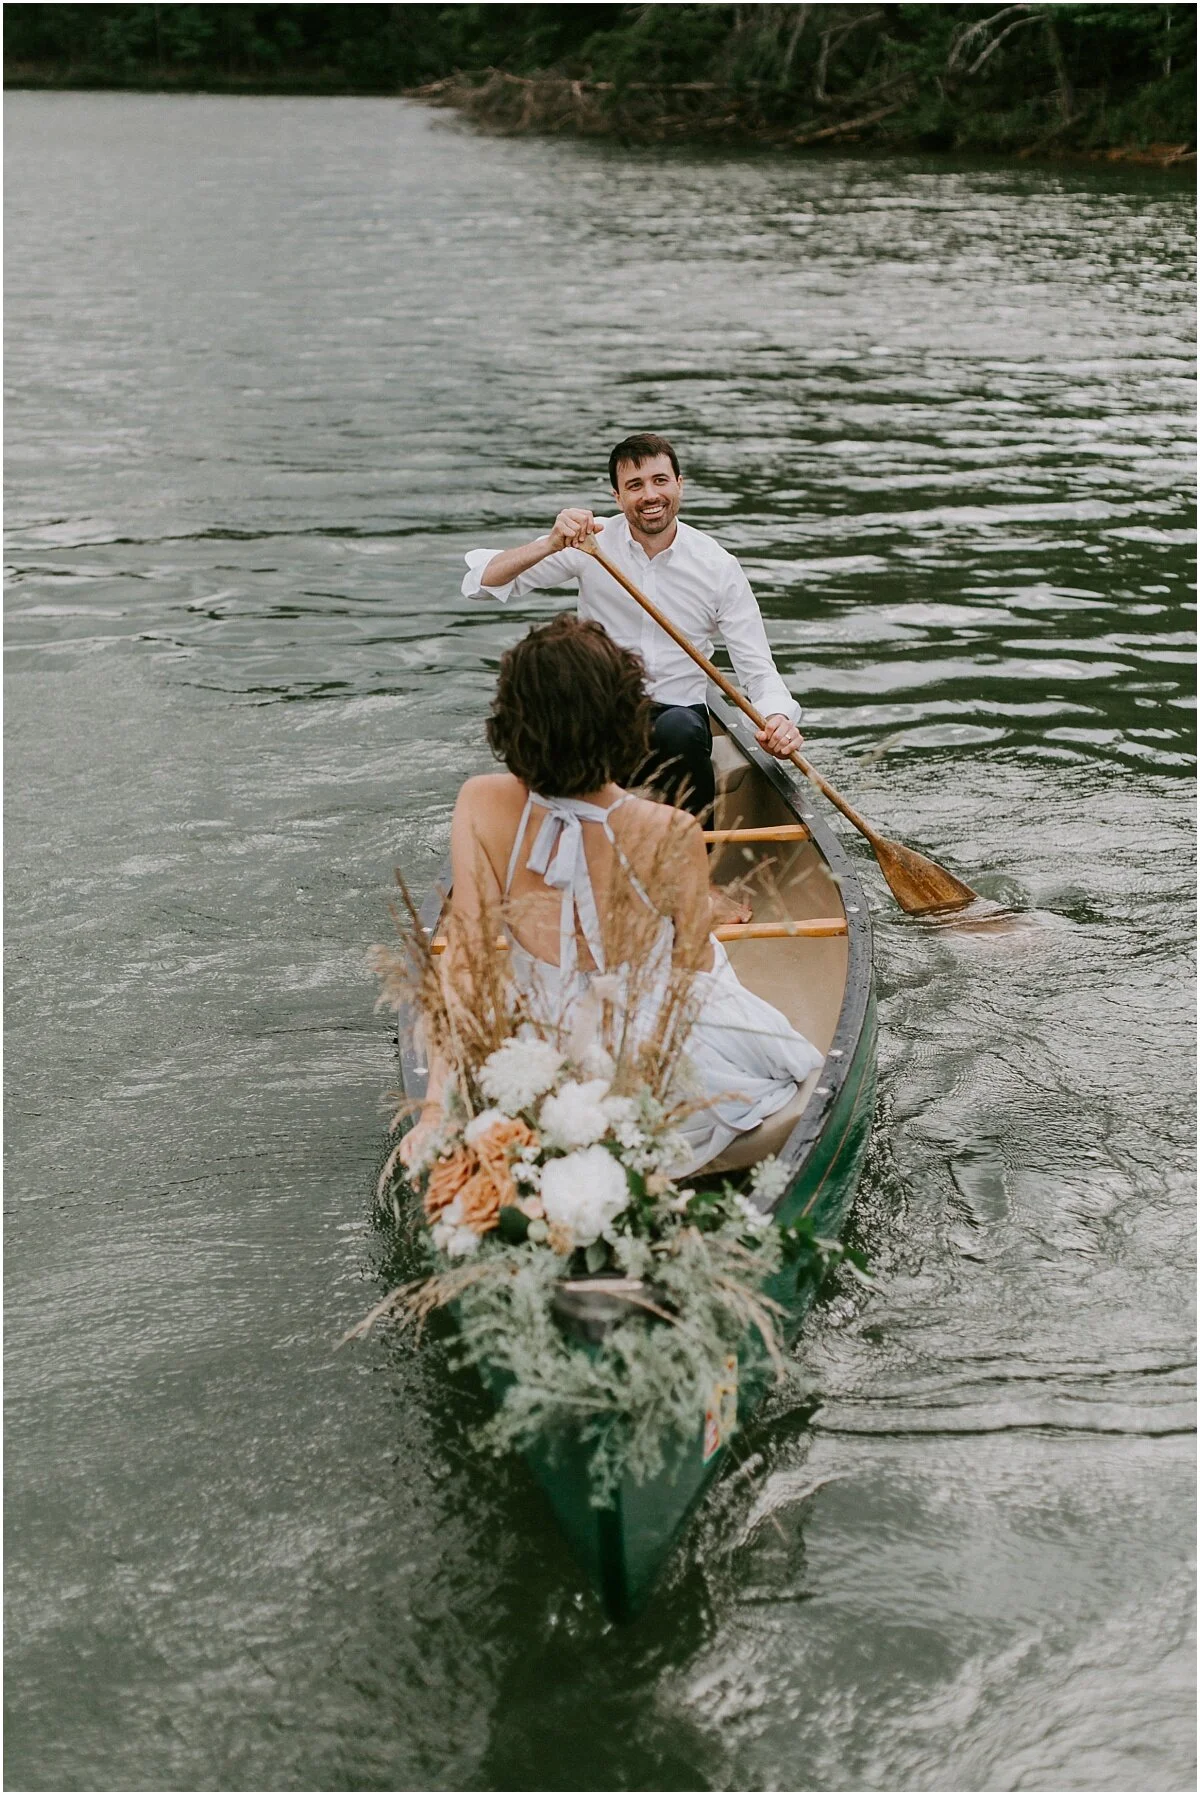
(475, 895)
(470, 927)
(412, 1147)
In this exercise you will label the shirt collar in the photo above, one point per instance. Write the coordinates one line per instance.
(630, 540)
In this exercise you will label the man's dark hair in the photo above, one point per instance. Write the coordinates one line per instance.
(643, 445)
(570, 711)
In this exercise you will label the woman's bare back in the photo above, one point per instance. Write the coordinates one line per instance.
(662, 848)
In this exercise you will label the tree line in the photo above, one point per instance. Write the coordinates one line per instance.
(1025, 77)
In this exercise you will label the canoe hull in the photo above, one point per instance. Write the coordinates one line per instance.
(624, 1546)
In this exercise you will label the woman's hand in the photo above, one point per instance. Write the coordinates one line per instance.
(416, 1142)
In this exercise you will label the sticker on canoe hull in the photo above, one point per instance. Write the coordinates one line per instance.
(720, 1414)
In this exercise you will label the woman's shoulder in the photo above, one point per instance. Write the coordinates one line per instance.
(488, 802)
(484, 791)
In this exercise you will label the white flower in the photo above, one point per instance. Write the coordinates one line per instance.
(574, 1115)
(451, 1235)
(598, 1062)
(753, 1217)
(455, 1242)
(527, 1174)
(518, 1072)
(672, 1150)
(584, 1192)
(479, 1125)
(769, 1180)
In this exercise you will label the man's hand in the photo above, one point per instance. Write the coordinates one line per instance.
(572, 529)
(780, 737)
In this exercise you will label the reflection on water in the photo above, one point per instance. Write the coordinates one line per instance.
(273, 366)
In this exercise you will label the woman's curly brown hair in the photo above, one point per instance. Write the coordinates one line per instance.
(570, 711)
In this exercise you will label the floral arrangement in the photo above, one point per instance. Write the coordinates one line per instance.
(550, 1165)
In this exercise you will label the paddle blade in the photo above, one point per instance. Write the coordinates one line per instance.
(919, 885)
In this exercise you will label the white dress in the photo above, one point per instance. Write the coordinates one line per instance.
(745, 1055)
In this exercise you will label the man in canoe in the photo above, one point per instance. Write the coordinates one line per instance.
(697, 583)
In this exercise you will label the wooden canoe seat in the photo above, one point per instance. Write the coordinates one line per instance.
(769, 1137)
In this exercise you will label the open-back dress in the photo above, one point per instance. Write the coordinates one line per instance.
(745, 1059)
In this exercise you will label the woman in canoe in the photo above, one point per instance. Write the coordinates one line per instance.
(604, 895)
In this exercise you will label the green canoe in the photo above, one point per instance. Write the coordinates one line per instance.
(820, 976)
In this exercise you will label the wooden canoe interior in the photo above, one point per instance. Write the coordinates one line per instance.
(805, 977)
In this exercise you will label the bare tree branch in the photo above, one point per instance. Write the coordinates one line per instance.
(968, 35)
(1032, 18)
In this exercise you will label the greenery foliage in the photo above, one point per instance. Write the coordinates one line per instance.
(548, 1162)
(639, 1392)
(935, 76)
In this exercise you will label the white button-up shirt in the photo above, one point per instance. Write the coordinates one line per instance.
(696, 582)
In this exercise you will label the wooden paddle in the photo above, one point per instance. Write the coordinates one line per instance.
(918, 884)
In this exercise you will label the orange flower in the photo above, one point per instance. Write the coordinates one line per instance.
(492, 1187)
(499, 1145)
(479, 1176)
(446, 1180)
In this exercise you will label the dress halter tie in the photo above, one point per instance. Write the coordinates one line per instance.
(558, 857)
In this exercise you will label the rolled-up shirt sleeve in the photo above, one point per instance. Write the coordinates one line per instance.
(743, 634)
(555, 570)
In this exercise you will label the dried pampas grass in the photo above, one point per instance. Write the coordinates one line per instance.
(645, 1004)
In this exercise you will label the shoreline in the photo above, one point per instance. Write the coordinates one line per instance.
(552, 105)
(640, 114)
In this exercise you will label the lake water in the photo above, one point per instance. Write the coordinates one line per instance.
(273, 365)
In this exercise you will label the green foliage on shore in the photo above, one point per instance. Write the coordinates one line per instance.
(997, 77)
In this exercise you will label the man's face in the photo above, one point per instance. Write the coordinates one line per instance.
(649, 494)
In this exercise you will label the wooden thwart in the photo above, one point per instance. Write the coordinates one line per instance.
(807, 928)
(776, 832)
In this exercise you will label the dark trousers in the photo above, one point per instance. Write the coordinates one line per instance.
(679, 765)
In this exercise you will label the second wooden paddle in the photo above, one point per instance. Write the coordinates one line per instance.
(918, 885)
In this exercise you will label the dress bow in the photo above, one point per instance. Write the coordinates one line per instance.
(558, 857)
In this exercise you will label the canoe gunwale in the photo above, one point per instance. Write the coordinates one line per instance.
(414, 1077)
(856, 998)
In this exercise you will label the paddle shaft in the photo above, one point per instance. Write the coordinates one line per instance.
(730, 690)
